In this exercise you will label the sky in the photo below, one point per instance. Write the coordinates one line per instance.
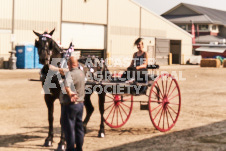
(161, 6)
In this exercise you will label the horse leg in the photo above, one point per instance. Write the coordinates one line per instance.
(50, 105)
(89, 110)
(101, 109)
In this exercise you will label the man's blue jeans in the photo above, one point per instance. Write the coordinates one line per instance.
(71, 121)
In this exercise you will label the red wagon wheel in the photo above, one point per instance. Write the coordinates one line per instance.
(117, 109)
(164, 102)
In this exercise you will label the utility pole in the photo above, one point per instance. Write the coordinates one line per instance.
(12, 58)
(12, 34)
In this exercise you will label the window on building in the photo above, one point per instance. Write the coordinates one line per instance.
(183, 27)
(203, 27)
(189, 27)
(214, 27)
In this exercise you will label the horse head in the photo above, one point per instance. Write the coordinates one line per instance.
(45, 45)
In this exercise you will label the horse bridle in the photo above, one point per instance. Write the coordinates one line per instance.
(45, 48)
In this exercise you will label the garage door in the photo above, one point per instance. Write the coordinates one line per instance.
(91, 52)
(162, 51)
(84, 37)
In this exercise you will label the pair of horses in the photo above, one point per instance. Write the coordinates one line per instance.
(47, 50)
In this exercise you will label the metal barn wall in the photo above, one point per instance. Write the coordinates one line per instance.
(5, 14)
(157, 26)
(123, 29)
(125, 21)
(5, 45)
(38, 15)
(5, 27)
(162, 51)
(91, 11)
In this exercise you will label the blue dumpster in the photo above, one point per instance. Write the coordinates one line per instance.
(25, 56)
(37, 65)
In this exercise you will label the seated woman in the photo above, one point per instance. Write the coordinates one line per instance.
(138, 67)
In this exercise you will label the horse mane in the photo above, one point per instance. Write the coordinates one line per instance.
(55, 46)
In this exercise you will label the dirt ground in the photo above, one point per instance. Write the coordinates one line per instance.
(201, 124)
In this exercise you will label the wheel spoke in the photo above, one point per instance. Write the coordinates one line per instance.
(163, 118)
(156, 107)
(172, 91)
(173, 97)
(120, 114)
(160, 117)
(166, 85)
(170, 115)
(167, 118)
(109, 113)
(158, 112)
(163, 87)
(172, 109)
(123, 110)
(156, 101)
(124, 105)
(159, 89)
(117, 115)
(109, 97)
(113, 115)
(109, 106)
(169, 87)
(157, 94)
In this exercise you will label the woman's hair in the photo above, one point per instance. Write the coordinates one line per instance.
(138, 41)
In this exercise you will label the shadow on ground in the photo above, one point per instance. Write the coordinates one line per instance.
(208, 137)
(14, 140)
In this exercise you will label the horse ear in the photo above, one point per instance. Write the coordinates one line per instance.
(37, 34)
(51, 33)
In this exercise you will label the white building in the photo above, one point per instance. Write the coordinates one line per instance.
(107, 28)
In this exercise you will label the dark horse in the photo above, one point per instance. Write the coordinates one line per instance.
(48, 49)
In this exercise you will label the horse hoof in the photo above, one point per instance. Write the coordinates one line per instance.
(48, 143)
(61, 147)
(101, 135)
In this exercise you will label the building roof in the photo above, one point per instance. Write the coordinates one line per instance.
(187, 19)
(211, 49)
(207, 15)
(161, 17)
(208, 39)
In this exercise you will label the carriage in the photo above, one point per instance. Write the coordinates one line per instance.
(162, 92)
(163, 99)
